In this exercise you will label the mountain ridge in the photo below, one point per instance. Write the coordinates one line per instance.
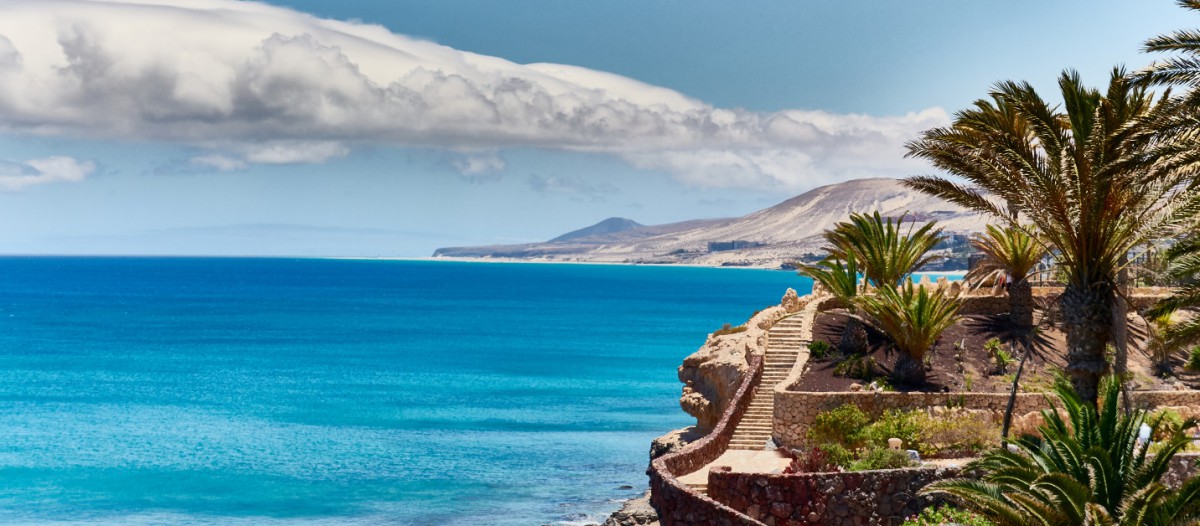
(770, 237)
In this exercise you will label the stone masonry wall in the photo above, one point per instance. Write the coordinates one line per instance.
(866, 498)
(883, 498)
(678, 504)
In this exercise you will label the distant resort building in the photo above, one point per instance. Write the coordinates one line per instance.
(725, 246)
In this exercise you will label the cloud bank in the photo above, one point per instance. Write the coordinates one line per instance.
(254, 83)
(16, 176)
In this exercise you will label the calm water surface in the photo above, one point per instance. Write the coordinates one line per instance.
(291, 391)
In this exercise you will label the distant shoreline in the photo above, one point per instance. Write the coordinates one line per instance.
(450, 259)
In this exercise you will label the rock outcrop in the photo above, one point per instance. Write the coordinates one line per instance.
(712, 374)
(674, 441)
(635, 512)
(791, 301)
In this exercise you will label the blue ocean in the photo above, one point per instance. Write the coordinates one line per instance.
(307, 391)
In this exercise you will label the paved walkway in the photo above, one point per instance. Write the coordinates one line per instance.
(748, 449)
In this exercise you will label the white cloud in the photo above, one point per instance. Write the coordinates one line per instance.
(265, 84)
(294, 152)
(15, 176)
(479, 164)
(221, 163)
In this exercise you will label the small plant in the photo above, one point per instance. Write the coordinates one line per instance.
(968, 382)
(945, 516)
(1193, 363)
(905, 425)
(819, 350)
(860, 367)
(844, 426)
(817, 459)
(729, 329)
(1000, 357)
(881, 458)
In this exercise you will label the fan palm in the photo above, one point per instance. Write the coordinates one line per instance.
(1087, 470)
(887, 254)
(913, 317)
(1010, 256)
(1096, 179)
(841, 280)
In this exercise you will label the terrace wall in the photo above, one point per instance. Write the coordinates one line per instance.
(867, 498)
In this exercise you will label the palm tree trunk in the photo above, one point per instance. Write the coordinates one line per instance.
(1087, 315)
(1012, 397)
(1120, 332)
(854, 337)
(1020, 303)
(908, 370)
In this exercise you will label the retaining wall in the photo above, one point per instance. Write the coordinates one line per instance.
(871, 498)
(678, 504)
(883, 497)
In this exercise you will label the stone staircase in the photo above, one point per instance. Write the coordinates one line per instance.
(784, 341)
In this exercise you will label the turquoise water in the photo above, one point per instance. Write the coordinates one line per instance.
(280, 391)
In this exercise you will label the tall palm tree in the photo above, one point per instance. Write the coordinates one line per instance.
(1090, 471)
(1178, 70)
(841, 280)
(913, 317)
(1096, 178)
(1010, 257)
(886, 252)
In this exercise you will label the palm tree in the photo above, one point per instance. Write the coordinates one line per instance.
(887, 254)
(913, 318)
(1176, 70)
(1090, 471)
(1096, 179)
(1010, 256)
(841, 280)
(1183, 265)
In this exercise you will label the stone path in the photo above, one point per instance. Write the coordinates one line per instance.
(748, 450)
(784, 341)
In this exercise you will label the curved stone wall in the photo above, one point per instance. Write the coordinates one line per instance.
(678, 504)
(882, 497)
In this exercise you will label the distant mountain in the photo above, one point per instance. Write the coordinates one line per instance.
(767, 238)
(611, 225)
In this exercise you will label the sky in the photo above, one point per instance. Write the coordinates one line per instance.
(391, 128)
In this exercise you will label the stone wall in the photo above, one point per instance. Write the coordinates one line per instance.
(884, 497)
(866, 498)
(675, 502)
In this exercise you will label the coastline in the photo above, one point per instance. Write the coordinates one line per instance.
(597, 263)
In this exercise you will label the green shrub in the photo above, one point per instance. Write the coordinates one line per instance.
(860, 367)
(956, 432)
(945, 516)
(728, 329)
(905, 425)
(881, 458)
(818, 459)
(818, 350)
(1166, 422)
(1193, 363)
(843, 426)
